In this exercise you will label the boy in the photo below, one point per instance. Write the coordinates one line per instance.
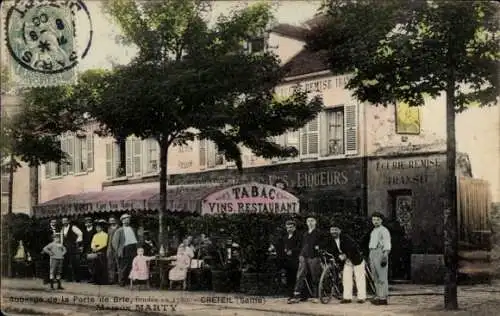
(56, 252)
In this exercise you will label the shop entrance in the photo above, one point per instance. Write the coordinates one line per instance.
(402, 206)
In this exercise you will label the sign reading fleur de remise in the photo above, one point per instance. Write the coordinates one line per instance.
(250, 198)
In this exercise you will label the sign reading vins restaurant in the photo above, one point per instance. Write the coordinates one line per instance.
(251, 197)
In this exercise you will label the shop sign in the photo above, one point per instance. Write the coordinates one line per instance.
(250, 198)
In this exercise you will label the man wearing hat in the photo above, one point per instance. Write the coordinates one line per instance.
(380, 246)
(88, 233)
(347, 252)
(98, 247)
(72, 236)
(125, 246)
(112, 259)
(288, 250)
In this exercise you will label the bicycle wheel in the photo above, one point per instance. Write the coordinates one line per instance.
(370, 283)
(328, 285)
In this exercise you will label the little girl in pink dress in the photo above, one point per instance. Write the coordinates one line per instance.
(140, 267)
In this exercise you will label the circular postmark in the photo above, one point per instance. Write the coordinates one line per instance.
(41, 34)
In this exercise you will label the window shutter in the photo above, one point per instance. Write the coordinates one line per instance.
(129, 157)
(324, 123)
(211, 154)
(64, 162)
(351, 129)
(48, 166)
(203, 152)
(309, 140)
(78, 159)
(90, 151)
(137, 156)
(71, 154)
(109, 160)
(154, 161)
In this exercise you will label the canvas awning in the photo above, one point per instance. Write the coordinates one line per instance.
(180, 199)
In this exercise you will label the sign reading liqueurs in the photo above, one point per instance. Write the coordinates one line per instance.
(250, 198)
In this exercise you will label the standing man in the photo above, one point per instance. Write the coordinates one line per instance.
(125, 246)
(112, 258)
(380, 246)
(309, 262)
(345, 249)
(46, 239)
(72, 237)
(88, 233)
(288, 253)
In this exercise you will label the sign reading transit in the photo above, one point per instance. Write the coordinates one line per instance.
(250, 198)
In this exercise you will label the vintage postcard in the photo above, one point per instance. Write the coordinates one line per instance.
(244, 158)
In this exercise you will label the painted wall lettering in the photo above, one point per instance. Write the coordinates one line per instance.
(408, 164)
(321, 178)
(185, 164)
(250, 198)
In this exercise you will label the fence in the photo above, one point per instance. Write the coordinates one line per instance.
(474, 209)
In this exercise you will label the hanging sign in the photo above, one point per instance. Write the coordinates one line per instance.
(250, 198)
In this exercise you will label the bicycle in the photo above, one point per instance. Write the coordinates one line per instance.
(330, 283)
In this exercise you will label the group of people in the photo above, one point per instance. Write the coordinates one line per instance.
(108, 248)
(301, 256)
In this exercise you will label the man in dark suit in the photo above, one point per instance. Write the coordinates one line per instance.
(72, 237)
(288, 253)
(347, 251)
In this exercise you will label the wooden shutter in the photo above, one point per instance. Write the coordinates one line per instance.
(109, 160)
(203, 152)
(309, 140)
(324, 131)
(137, 156)
(351, 129)
(70, 147)
(211, 154)
(64, 162)
(90, 151)
(78, 159)
(280, 140)
(129, 154)
(48, 167)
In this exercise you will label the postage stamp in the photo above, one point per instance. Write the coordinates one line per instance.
(42, 41)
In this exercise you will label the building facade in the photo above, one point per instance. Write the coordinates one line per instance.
(353, 156)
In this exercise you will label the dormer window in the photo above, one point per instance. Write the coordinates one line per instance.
(257, 45)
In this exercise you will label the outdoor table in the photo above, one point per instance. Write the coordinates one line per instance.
(164, 264)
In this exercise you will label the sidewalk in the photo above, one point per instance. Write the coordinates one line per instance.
(405, 300)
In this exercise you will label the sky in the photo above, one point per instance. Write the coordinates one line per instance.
(105, 48)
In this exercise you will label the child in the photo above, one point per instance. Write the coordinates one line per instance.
(140, 267)
(56, 251)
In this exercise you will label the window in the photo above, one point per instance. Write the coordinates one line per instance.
(257, 45)
(152, 156)
(185, 148)
(335, 132)
(210, 156)
(309, 138)
(5, 182)
(79, 151)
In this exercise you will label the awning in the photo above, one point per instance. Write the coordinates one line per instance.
(179, 199)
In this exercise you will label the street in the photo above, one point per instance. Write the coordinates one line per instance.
(30, 297)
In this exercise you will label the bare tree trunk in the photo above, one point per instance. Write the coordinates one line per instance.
(12, 166)
(450, 210)
(163, 191)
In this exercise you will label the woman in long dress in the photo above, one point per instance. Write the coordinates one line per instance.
(185, 253)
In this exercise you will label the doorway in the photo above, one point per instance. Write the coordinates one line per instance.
(401, 204)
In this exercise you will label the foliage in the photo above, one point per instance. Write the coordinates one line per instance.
(192, 81)
(401, 50)
(31, 134)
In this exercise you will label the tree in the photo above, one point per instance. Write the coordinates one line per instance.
(191, 81)
(400, 50)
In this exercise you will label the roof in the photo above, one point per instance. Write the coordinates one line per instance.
(306, 62)
(291, 31)
(179, 199)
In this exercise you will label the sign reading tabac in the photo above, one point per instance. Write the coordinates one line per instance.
(250, 198)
